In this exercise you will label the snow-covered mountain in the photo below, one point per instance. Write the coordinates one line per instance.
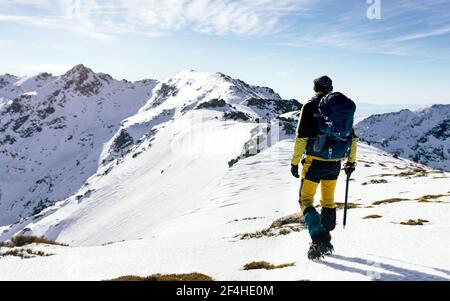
(52, 131)
(195, 178)
(57, 132)
(422, 136)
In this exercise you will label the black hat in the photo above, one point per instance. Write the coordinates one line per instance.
(323, 84)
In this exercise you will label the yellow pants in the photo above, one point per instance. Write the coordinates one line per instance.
(309, 189)
(318, 172)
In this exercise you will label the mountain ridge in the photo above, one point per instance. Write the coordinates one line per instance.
(422, 135)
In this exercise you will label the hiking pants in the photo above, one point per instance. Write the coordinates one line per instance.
(324, 173)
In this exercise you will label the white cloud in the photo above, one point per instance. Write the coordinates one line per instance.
(85, 29)
(103, 20)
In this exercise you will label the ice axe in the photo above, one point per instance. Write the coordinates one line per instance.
(346, 199)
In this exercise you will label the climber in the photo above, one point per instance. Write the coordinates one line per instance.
(325, 137)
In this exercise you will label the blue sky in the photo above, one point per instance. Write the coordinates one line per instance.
(377, 51)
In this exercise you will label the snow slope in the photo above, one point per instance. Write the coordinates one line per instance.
(248, 198)
(422, 136)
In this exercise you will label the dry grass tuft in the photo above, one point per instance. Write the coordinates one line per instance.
(431, 198)
(24, 253)
(168, 277)
(349, 205)
(264, 265)
(411, 222)
(382, 181)
(373, 216)
(20, 241)
(389, 201)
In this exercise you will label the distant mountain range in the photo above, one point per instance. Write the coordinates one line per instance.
(422, 136)
(365, 110)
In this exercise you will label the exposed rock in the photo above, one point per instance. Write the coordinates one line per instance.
(122, 141)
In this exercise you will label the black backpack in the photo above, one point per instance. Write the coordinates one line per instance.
(335, 123)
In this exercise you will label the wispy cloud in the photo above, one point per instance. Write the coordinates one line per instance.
(403, 26)
(103, 20)
(297, 23)
(86, 29)
(423, 35)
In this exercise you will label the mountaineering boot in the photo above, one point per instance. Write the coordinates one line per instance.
(314, 252)
(326, 248)
(320, 246)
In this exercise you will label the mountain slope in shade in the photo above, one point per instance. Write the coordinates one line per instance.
(52, 131)
(422, 136)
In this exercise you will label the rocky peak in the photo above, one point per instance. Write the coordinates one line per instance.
(79, 70)
(83, 80)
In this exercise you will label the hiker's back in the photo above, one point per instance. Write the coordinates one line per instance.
(335, 127)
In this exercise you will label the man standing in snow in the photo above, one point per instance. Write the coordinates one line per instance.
(326, 135)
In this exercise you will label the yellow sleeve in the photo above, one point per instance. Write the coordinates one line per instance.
(353, 149)
(299, 150)
(300, 144)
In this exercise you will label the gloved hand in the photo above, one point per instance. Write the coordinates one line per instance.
(349, 168)
(294, 171)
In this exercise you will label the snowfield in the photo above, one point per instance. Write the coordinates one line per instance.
(192, 179)
(202, 236)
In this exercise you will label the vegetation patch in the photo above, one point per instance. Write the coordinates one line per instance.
(382, 181)
(349, 205)
(272, 232)
(416, 172)
(20, 241)
(168, 277)
(390, 201)
(411, 222)
(264, 265)
(373, 216)
(24, 253)
(432, 198)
